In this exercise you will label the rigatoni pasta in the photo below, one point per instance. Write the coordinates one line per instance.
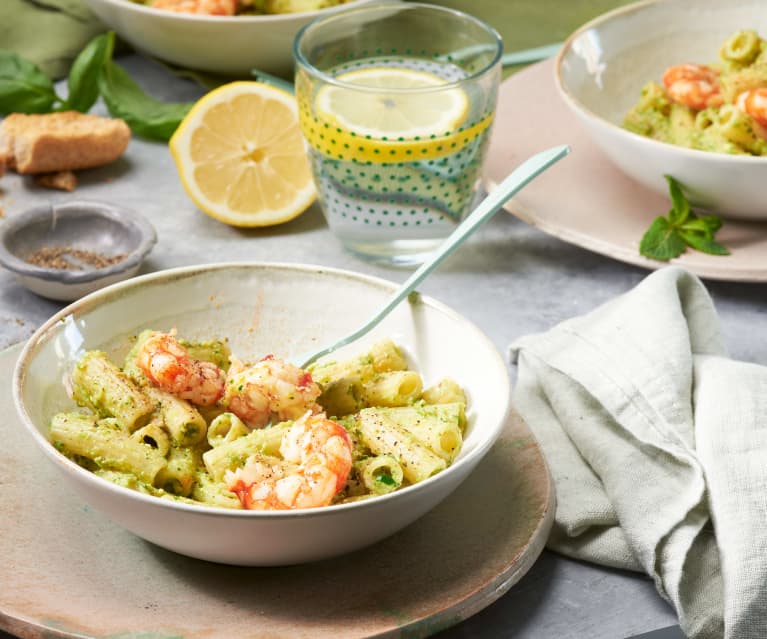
(153, 435)
(232, 454)
(176, 421)
(183, 423)
(100, 385)
(392, 388)
(718, 107)
(85, 437)
(224, 428)
(438, 427)
(384, 436)
(380, 474)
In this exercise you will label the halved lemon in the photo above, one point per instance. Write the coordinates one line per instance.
(392, 109)
(387, 123)
(241, 157)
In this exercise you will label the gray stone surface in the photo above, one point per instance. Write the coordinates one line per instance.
(510, 279)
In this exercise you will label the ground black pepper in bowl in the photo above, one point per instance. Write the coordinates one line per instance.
(68, 258)
(65, 250)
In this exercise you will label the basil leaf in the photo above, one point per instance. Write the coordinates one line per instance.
(146, 116)
(661, 241)
(24, 88)
(83, 80)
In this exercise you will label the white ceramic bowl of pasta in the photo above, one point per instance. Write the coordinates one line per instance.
(600, 72)
(225, 45)
(282, 309)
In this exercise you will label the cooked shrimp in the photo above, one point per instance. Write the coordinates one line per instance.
(166, 364)
(271, 388)
(754, 103)
(320, 453)
(204, 7)
(694, 85)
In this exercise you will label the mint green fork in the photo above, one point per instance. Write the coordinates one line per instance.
(511, 185)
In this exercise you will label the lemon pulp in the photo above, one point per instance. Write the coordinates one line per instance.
(241, 157)
(371, 116)
(388, 107)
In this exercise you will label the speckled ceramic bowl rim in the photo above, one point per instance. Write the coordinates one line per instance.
(173, 16)
(576, 104)
(117, 214)
(113, 292)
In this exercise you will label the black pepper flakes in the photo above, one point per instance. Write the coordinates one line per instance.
(66, 258)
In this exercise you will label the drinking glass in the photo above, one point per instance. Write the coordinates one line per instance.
(396, 103)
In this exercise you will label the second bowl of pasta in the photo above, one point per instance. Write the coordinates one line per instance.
(679, 88)
(172, 403)
(225, 37)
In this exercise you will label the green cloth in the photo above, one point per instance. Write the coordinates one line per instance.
(657, 444)
(524, 24)
(48, 32)
(52, 32)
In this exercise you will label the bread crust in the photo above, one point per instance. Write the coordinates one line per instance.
(61, 180)
(65, 141)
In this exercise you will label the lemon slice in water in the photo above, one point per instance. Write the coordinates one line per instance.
(391, 109)
(387, 123)
(241, 157)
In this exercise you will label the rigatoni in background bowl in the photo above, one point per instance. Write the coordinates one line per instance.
(600, 72)
(228, 45)
(282, 309)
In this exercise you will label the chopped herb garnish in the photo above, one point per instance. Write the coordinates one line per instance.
(668, 237)
(385, 478)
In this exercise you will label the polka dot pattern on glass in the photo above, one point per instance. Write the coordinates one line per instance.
(387, 188)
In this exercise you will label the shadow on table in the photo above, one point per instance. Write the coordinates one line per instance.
(569, 599)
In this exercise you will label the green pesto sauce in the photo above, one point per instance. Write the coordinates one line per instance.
(655, 117)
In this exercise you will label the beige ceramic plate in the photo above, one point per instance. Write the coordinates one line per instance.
(67, 571)
(585, 199)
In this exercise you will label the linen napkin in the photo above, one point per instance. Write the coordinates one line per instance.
(49, 33)
(657, 444)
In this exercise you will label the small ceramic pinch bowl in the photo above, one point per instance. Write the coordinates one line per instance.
(600, 72)
(101, 229)
(287, 310)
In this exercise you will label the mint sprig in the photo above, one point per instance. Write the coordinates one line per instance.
(668, 237)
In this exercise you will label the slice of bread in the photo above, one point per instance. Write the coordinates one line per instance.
(65, 141)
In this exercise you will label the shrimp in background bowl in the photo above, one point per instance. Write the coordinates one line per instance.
(239, 7)
(205, 7)
(719, 107)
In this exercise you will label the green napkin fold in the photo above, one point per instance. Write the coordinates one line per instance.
(50, 33)
(657, 444)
